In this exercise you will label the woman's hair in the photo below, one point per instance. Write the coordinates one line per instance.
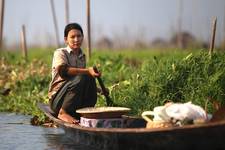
(72, 26)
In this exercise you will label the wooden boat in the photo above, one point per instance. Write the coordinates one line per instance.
(209, 136)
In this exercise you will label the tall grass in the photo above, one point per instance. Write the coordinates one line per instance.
(195, 78)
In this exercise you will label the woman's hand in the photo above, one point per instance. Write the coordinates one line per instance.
(99, 90)
(93, 73)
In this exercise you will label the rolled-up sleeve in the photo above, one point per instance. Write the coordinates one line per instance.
(59, 58)
(60, 64)
(63, 71)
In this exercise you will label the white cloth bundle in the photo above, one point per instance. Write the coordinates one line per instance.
(186, 111)
(177, 113)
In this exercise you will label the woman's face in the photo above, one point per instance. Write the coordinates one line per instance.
(74, 39)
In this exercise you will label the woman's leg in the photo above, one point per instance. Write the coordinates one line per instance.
(63, 115)
(83, 94)
(89, 93)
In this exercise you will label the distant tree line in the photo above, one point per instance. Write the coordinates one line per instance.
(187, 41)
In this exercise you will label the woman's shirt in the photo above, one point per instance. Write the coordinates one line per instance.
(64, 56)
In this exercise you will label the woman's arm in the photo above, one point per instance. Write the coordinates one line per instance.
(65, 71)
(75, 71)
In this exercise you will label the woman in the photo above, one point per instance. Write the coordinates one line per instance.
(73, 85)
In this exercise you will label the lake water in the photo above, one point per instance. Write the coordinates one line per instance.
(16, 133)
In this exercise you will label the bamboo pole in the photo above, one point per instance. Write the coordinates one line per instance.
(23, 43)
(67, 19)
(213, 36)
(2, 7)
(223, 42)
(88, 31)
(55, 23)
(179, 23)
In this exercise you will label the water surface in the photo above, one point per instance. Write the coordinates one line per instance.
(16, 133)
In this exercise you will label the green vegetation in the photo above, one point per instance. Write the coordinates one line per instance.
(140, 79)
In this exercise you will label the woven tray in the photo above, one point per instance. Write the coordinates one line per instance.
(103, 112)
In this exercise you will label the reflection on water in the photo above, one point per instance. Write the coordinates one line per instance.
(16, 133)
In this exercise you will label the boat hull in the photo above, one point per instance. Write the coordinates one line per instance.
(206, 136)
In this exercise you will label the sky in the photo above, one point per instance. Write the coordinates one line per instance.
(127, 19)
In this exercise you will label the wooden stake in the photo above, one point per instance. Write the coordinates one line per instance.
(213, 36)
(67, 19)
(88, 31)
(55, 23)
(2, 7)
(23, 42)
(223, 42)
(179, 23)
